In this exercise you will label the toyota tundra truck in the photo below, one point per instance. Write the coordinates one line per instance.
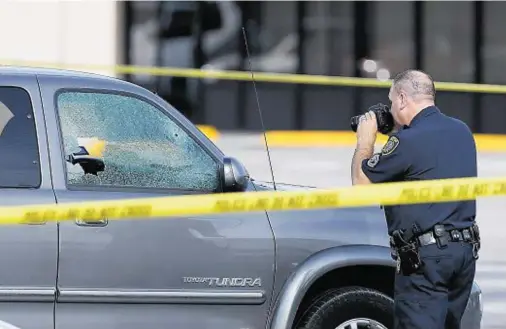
(321, 269)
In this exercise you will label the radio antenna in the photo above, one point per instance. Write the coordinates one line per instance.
(258, 105)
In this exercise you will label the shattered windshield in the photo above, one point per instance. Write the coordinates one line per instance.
(140, 145)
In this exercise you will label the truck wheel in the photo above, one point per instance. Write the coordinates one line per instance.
(350, 307)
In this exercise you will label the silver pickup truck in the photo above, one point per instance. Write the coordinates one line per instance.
(69, 136)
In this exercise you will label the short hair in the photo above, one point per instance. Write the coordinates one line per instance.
(416, 83)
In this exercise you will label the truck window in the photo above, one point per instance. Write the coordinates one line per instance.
(140, 145)
(19, 150)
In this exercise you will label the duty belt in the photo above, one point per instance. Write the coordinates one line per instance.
(439, 232)
(441, 236)
(465, 235)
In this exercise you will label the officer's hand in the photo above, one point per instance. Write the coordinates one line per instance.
(367, 129)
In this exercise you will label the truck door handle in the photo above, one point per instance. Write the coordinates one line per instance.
(94, 223)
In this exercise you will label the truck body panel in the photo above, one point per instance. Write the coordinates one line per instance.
(194, 272)
(28, 253)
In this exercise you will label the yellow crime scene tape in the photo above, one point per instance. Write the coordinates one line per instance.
(208, 204)
(192, 205)
(259, 76)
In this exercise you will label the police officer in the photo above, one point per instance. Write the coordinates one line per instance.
(428, 144)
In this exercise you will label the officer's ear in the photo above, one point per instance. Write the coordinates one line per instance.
(403, 99)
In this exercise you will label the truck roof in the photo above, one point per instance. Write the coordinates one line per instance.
(26, 70)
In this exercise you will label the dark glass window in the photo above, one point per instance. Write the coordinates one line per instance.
(275, 31)
(328, 40)
(19, 160)
(392, 44)
(494, 43)
(449, 40)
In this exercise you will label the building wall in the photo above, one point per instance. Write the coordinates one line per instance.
(453, 41)
(68, 32)
(457, 42)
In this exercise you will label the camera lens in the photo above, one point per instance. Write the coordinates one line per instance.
(354, 123)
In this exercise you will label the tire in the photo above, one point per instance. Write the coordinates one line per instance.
(335, 307)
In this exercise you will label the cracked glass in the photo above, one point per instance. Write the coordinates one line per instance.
(139, 145)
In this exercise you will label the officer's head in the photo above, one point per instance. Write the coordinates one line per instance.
(411, 92)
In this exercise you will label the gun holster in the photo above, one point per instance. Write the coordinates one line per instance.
(408, 256)
(476, 240)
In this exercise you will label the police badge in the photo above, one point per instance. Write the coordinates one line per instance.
(373, 161)
(390, 145)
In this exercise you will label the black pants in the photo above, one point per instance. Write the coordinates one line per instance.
(436, 296)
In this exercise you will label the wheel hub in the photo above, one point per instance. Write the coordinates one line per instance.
(361, 323)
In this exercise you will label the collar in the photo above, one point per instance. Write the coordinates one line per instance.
(423, 114)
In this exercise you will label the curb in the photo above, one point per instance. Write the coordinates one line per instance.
(329, 138)
(211, 132)
(490, 142)
(484, 142)
(315, 138)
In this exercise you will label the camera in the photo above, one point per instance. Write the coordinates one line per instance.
(384, 118)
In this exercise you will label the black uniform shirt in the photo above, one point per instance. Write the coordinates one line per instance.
(433, 146)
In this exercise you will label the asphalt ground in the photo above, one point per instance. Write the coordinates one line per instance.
(330, 167)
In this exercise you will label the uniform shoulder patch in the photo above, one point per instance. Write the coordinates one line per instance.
(390, 145)
(373, 161)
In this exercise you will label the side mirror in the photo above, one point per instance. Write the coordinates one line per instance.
(235, 176)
